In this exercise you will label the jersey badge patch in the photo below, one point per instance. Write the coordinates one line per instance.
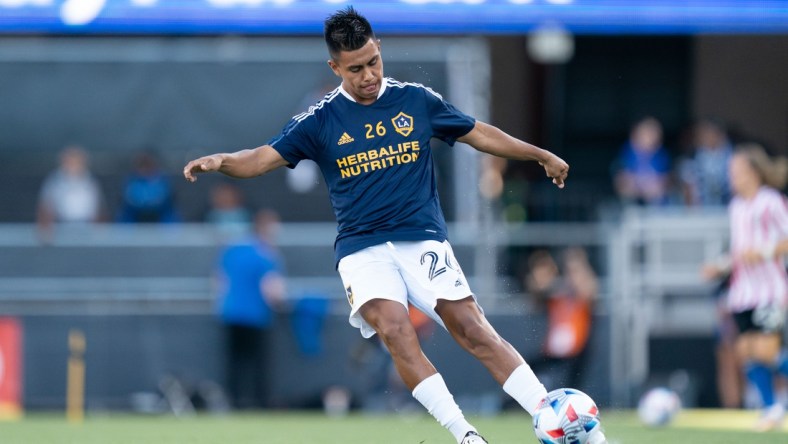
(345, 139)
(403, 124)
(349, 292)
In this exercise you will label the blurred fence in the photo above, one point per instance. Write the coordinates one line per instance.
(132, 269)
(650, 284)
(656, 287)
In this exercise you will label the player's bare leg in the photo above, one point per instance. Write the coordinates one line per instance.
(473, 332)
(470, 328)
(391, 322)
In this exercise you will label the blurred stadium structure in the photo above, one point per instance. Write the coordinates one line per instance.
(143, 293)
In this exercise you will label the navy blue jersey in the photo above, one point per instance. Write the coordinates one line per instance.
(377, 161)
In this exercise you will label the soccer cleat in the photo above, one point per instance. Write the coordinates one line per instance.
(473, 438)
(771, 419)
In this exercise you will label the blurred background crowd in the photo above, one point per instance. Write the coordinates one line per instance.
(598, 283)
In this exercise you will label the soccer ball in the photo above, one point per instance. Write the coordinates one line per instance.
(566, 416)
(658, 406)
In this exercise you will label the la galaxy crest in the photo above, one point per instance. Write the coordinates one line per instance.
(403, 124)
(349, 292)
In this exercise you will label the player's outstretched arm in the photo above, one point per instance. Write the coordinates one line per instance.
(489, 139)
(240, 164)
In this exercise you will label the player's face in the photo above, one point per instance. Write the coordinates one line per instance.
(361, 71)
(744, 180)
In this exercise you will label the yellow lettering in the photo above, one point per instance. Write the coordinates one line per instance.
(378, 159)
(351, 160)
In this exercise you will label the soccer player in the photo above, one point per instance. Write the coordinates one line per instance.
(371, 138)
(758, 294)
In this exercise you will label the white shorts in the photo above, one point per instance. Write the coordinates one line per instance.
(419, 272)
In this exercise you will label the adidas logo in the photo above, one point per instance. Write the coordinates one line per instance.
(345, 139)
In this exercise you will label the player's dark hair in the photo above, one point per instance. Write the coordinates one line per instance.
(346, 30)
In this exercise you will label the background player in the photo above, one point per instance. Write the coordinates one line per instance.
(758, 294)
(371, 138)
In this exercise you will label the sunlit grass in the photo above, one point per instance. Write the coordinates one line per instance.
(697, 426)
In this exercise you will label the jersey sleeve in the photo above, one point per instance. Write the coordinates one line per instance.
(296, 143)
(448, 123)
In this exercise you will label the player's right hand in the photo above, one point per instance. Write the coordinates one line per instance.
(710, 272)
(202, 165)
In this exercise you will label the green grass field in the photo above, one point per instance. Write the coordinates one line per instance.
(697, 427)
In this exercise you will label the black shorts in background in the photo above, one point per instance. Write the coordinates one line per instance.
(759, 321)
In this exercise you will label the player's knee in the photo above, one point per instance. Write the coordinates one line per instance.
(395, 331)
(765, 350)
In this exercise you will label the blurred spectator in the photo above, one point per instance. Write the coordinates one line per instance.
(643, 166)
(228, 213)
(543, 276)
(251, 285)
(704, 176)
(147, 195)
(69, 194)
(758, 293)
(568, 297)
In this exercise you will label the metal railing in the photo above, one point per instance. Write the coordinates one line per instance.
(652, 284)
(122, 268)
(656, 286)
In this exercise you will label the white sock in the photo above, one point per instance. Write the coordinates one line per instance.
(433, 394)
(525, 388)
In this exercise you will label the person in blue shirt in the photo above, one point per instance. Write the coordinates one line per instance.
(371, 139)
(251, 285)
(643, 172)
(148, 196)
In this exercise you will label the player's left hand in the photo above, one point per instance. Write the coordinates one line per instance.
(555, 168)
(751, 256)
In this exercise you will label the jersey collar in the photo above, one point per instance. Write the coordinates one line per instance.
(383, 85)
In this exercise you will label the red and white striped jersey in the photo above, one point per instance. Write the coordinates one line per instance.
(758, 224)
